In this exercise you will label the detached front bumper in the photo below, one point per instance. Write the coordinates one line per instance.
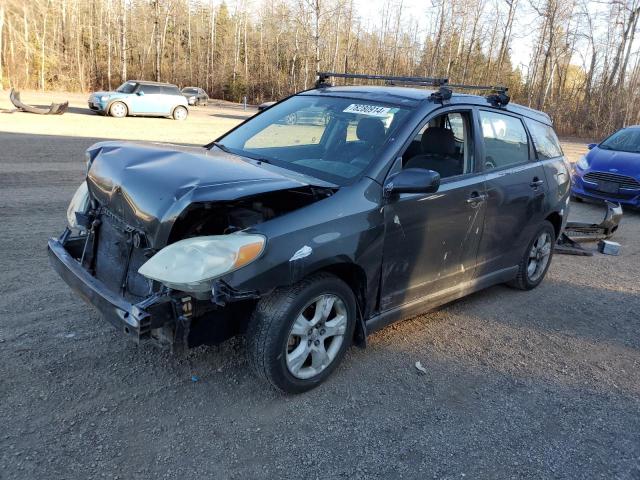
(135, 320)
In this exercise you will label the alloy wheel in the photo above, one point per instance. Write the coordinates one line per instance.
(316, 336)
(539, 256)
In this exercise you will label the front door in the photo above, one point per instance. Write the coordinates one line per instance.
(148, 100)
(431, 240)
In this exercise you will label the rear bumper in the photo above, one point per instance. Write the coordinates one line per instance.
(136, 320)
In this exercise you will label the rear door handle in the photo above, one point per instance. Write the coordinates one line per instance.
(536, 182)
(476, 198)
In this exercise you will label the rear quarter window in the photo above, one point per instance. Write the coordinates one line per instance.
(545, 140)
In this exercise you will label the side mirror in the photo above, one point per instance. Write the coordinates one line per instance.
(591, 146)
(413, 180)
(140, 93)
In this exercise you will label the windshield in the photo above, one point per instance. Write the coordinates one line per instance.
(127, 87)
(333, 139)
(627, 140)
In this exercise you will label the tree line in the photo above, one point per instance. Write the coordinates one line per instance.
(584, 67)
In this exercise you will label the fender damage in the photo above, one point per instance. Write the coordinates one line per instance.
(144, 197)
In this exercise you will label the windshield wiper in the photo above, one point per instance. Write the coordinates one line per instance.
(222, 147)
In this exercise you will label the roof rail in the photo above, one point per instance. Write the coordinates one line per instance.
(322, 82)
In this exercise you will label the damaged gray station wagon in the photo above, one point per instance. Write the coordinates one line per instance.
(318, 221)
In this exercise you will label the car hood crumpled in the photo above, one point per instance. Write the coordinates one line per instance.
(148, 185)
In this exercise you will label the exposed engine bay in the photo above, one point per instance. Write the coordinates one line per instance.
(220, 218)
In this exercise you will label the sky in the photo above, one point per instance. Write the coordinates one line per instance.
(523, 38)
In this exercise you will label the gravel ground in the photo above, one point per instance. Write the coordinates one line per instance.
(541, 384)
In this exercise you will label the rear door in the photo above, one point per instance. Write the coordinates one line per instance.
(516, 189)
(552, 159)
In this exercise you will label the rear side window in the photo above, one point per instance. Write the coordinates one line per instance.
(505, 140)
(171, 90)
(545, 140)
(150, 89)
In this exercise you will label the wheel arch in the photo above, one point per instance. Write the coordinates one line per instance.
(107, 110)
(356, 278)
(556, 220)
(178, 106)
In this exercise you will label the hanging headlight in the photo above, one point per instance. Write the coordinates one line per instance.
(79, 203)
(189, 265)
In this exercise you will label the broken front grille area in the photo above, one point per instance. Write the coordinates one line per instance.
(120, 250)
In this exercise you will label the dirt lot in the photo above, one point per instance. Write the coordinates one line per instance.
(543, 384)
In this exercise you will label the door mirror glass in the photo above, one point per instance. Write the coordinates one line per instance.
(591, 146)
(413, 180)
(140, 93)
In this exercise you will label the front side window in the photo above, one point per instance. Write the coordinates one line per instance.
(545, 140)
(505, 140)
(127, 87)
(334, 139)
(444, 145)
(150, 89)
(626, 140)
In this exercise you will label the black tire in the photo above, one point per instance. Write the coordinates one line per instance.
(269, 330)
(118, 110)
(180, 113)
(524, 280)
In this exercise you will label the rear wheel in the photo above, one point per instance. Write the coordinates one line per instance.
(298, 335)
(118, 110)
(180, 113)
(536, 259)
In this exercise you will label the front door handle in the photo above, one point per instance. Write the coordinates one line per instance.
(536, 182)
(476, 198)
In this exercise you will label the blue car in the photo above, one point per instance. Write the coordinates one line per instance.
(140, 98)
(611, 169)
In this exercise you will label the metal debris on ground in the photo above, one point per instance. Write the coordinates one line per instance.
(53, 109)
(608, 247)
(575, 233)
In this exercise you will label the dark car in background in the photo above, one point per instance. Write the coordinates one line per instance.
(611, 169)
(306, 237)
(141, 98)
(196, 96)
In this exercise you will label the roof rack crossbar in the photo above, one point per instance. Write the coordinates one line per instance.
(425, 81)
(493, 88)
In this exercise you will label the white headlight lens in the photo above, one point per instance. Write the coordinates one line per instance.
(79, 203)
(190, 265)
(104, 98)
(582, 163)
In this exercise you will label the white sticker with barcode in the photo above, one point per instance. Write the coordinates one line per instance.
(372, 110)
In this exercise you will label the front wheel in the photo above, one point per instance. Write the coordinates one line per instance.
(118, 110)
(298, 335)
(536, 259)
(180, 113)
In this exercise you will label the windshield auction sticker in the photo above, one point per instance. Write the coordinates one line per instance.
(371, 110)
